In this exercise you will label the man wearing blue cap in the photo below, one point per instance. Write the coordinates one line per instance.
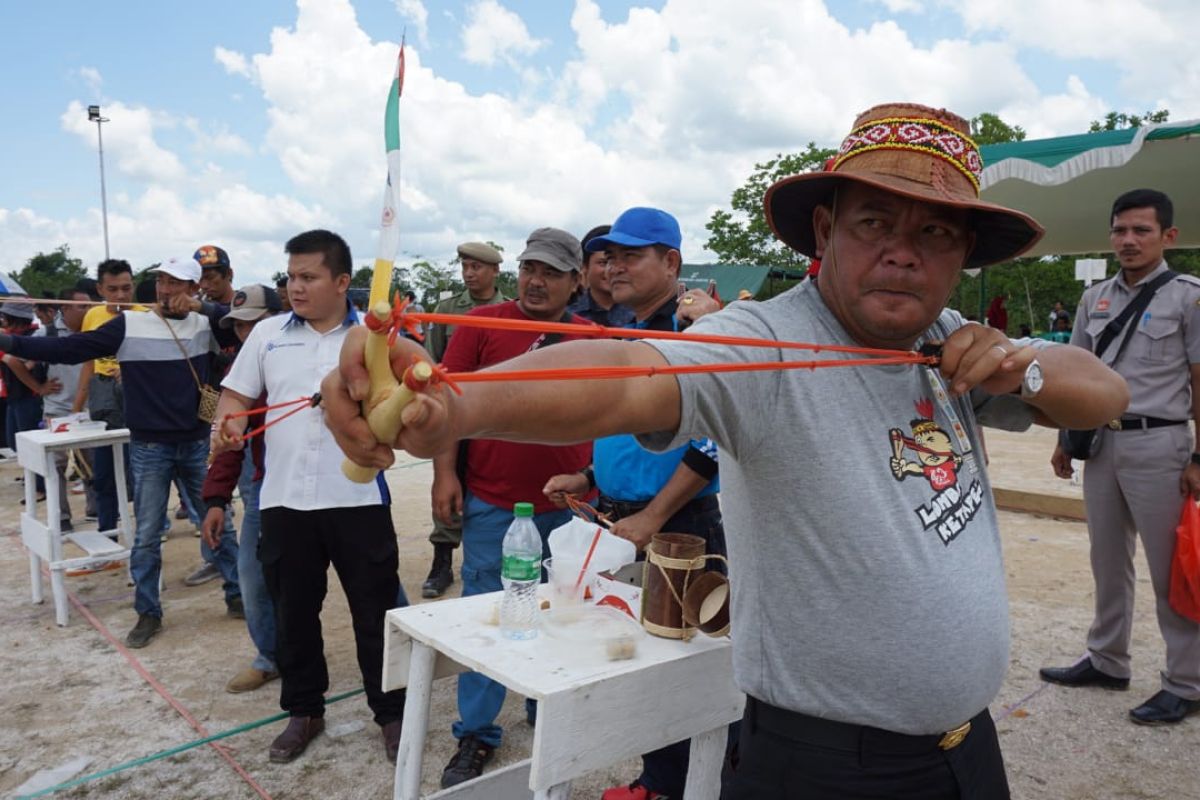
(645, 492)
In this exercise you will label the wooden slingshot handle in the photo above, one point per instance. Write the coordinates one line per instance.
(388, 396)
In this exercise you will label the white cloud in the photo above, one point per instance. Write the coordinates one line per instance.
(414, 11)
(902, 6)
(494, 33)
(129, 140)
(1149, 41)
(214, 137)
(234, 62)
(1054, 114)
(91, 77)
(669, 107)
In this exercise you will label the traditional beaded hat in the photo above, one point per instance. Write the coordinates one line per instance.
(911, 150)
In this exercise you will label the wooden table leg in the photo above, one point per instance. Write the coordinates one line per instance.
(704, 771)
(416, 722)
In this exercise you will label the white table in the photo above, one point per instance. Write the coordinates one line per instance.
(592, 712)
(35, 452)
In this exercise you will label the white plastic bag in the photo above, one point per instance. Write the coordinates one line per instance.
(569, 545)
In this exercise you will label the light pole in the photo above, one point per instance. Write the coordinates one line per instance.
(94, 116)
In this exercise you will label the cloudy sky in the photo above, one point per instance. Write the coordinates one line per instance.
(242, 124)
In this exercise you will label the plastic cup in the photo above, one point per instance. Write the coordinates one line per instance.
(563, 591)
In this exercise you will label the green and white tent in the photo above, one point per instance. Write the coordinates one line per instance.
(1068, 183)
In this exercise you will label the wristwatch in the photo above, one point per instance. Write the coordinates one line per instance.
(1031, 384)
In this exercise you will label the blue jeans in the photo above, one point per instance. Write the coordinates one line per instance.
(104, 482)
(484, 526)
(153, 465)
(23, 415)
(260, 611)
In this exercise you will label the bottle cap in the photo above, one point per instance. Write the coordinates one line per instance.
(523, 510)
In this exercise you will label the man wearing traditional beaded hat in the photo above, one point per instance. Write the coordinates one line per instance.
(870, 620)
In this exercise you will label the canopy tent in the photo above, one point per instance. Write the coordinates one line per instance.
(730, 278)
(10, 288)
(1069, 183)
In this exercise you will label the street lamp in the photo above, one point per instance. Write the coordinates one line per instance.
(94, 116)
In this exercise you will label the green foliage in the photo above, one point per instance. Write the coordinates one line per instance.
(361, 279)
(742, 236)
(1114, 122)
(1034, 284)
(990, 129)
(428, 280)
(50, 272)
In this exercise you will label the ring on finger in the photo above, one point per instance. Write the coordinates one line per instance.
(1003, 351)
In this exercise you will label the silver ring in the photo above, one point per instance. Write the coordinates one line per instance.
(1000, 347)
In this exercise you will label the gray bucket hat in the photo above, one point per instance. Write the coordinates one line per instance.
(555, 247)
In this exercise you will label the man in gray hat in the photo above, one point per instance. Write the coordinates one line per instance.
(480, 266)
(500, 474)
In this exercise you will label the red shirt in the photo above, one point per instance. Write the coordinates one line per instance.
(941, 477)
(504, 473)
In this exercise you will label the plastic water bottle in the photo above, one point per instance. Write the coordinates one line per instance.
(521, 572)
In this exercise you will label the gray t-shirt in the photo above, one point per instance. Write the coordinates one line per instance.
(868, 583)
(59, 403)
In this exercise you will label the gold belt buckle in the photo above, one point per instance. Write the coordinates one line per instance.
(1115, 424)
(954, 738)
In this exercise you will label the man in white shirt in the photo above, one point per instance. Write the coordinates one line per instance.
(312, 515)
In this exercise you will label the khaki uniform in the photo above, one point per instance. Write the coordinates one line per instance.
(1131, 486)
(436, 340)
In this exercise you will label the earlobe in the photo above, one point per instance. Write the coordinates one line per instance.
(821, 222)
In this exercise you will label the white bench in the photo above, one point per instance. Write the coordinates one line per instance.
(592, 712)
(45, 540)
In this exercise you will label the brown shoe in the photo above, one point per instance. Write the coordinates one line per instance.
(249, 679)
(391, 739)
(295, 737)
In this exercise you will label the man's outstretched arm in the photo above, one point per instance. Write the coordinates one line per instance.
(556, 412)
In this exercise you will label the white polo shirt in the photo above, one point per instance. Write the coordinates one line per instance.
(303, 469)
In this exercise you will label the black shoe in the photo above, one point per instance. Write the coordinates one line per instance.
(468, 762)
(1083, 674)
(295, 738)
(147, 628)
(391, 739)
(441, 572)
(234, 608)
(1165, 708)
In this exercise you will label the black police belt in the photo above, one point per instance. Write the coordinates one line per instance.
(1143, 423)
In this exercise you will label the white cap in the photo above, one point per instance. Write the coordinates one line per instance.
(185, 268)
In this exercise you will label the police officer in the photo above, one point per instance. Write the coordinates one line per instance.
(1147, 462)
(480, 267)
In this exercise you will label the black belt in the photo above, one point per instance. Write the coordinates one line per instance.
(1143, 423)
(847, 737)
(618, 509)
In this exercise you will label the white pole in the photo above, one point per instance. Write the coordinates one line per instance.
(103, 193)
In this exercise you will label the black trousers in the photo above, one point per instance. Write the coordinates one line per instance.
(775, 762)
(296, 549)
(665, 770)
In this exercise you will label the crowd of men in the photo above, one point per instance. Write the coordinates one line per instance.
(874, 680)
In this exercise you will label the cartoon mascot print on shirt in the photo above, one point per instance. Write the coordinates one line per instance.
(935, 460)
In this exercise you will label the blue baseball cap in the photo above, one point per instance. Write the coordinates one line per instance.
(640, 227)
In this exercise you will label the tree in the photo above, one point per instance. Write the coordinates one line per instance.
(990, 129)
(50, 272)
(429, 280)
(1114, 121)
(742, 236)
(361, 279)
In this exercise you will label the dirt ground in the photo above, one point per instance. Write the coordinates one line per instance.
(70, 694)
